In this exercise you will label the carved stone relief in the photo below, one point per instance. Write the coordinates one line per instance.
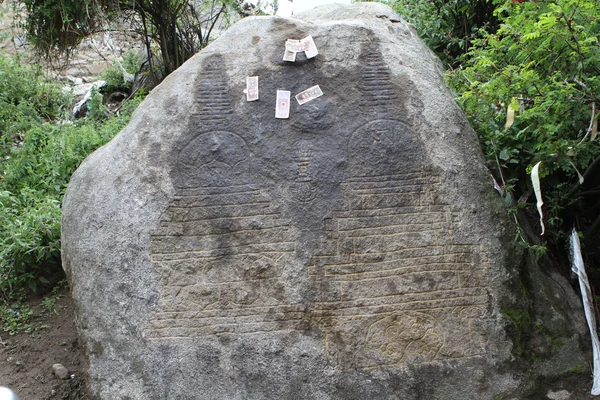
(387, 278)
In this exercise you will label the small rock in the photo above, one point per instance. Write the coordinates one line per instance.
(560, 395)
(60, 371)
(76, 81)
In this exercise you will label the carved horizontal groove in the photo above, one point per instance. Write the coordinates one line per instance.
(367, 184)
(211, 245)
(220, 319)
(261, 205)
(221, 200)
(372, 77)
(398, 220)
(391, 229)
(237, 328)
(208, 282)
(230, 312)
(375, 77)
(391, 190)
(374, 66)
(263, 248)
(373, 93)
(403, 270)
(256, 222)
(407, 252)
(383, 211)
(382, 90)
(213, 95)
(397, 302)
(442, 273)
(221, 107)
(236, 234)
(218, 90)
(215, 103)
(215, 190)
(402, 177)
(210, 121)
(381, 97)
(188, 337)
(354, 266)
(399, 186)
(378, 96)
(400, 234)
(377, 102)
(207, 111)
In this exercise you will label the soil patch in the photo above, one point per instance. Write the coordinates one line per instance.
(26, 359)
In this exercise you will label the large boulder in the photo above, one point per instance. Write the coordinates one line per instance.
(355, 250)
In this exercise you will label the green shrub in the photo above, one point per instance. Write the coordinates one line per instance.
(114, 75)
(27, 98)
(544, 63)
(35, 175)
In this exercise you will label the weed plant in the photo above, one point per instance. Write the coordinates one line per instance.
(40, 148)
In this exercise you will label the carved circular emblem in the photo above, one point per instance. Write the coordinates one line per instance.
(222, 147)
(384, 146)
(213, 159)
(406, 337)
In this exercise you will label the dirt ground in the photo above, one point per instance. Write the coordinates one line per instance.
(26, 359)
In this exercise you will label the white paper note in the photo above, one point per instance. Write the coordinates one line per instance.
(289, 55)
(251, 88)
(309, 94)
(282, 110)
(294, 45)
(306, 45)
(310, 48)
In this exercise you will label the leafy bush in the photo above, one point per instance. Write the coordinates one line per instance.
(539, 63)
(543, 65)
(114, 75)
(26, 98)
(448, 27)
(34, 177)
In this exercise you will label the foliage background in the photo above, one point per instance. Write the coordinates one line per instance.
(538, 60)
(172, 30)
(40, 148)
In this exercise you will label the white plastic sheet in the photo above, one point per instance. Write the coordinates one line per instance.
(510, 117)
(535, 181)
(588, 307)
